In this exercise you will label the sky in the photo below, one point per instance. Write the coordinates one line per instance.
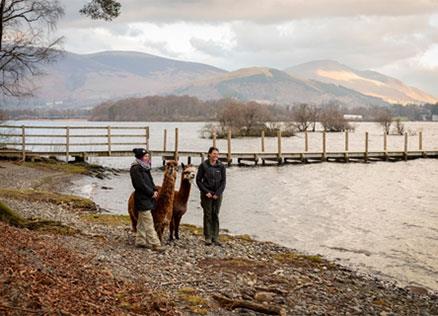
(396, 38)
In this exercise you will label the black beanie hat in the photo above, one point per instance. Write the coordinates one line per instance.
(140, 152)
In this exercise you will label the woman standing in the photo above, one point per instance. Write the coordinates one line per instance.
(211, 180)
(144, 197)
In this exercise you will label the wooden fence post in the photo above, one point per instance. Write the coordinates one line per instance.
(165, 140)
(346, 147)
(176, 145)
(263, 141)
(213, 133)
(146, 135)
(420, 141)
(229, 158)
(385, 145)
(324, 145)
(67, 143)
(109, 140)
(366, 147)
(279, 155)
(405, 154)
(23, 143)
(306, 141)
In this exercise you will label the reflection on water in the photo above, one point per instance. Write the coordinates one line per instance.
(378, 217)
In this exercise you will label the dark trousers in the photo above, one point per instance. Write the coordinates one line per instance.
(211, 209)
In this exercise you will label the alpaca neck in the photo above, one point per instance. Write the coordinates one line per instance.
(167, 187)
(184, 190)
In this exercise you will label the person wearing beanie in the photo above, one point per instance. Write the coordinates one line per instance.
(144, 197)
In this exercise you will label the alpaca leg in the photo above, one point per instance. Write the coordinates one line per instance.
(160, 232)
(177, 221)
(133, 220)
(172, 228)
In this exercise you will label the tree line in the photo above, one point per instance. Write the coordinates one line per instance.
(242, 118)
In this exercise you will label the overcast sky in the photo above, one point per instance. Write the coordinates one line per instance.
(397, 38)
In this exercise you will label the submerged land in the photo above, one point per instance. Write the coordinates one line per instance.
(62, 255)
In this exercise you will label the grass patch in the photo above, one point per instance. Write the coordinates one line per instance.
(198, 231)
(227, 237)
(9, 216)
(193, 229)
(57, 198)
(197, 304)
(293, 257)
(57, 166)
(106, 219)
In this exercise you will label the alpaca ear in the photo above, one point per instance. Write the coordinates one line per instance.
(182, 165)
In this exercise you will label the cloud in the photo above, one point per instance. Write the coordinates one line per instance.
(161, 48)
(417, 71)
(210, 47)
(260, 11)
(381, 35)
(267, 11)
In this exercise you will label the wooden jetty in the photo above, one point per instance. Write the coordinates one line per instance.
(15, 141)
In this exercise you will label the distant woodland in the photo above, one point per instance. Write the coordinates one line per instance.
(228, 111)
(171, 108)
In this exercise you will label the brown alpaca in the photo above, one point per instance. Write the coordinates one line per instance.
(181, 199)
(162, 214)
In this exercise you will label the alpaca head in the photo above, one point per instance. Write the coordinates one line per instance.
(171, 169)
(189, 172)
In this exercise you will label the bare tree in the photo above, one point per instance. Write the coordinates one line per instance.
(384, 118)
(304, 115)
(25, 28)
(253, 114)
(244, 119)
(399, 126)
(332, 119)
(25, 43)
(315, 113)
(102, 9)
(3, 116)
(230, 116)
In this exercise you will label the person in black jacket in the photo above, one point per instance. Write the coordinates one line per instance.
(144, 197)
(211, 180)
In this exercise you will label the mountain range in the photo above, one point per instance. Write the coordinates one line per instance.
(86, 80)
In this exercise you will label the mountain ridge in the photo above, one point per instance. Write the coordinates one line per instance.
(80, 80)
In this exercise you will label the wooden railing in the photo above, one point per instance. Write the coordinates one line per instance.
(22, 145)
(8, 132)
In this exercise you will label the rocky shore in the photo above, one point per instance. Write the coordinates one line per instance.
(93, 268)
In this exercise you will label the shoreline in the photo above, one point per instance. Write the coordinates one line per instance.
(191, 274)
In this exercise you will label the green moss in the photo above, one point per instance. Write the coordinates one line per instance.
(106, 219)
(51, 197)
(12, 218)
(245, 237)
(291, 257)
(193, 229)
(58, 166)
(186, 290)
(196, 304)
(198, 231)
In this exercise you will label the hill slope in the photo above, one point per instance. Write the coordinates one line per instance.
(369, 83)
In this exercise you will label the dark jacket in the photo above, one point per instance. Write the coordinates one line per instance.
(144, 186)
(211, 178)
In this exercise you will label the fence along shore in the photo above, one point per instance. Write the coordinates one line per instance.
(15, 141)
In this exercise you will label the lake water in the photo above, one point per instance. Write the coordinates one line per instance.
(378, 217)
